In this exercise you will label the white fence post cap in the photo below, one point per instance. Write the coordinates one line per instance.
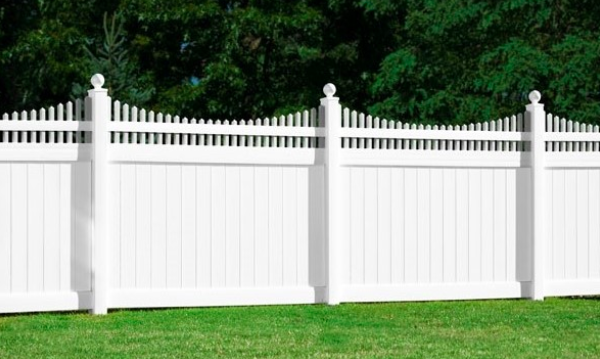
(535, 97)
(97, 81)
(329, 90)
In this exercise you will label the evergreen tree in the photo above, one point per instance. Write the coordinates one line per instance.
(434, 61)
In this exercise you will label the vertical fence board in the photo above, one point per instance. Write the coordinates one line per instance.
(462, 225)
(159, 226)
(558, 223)
(261, 190)
(376, 141)
(134, 118)
(276, 229)
(218, 226)
(5, 227)
(232, 231)
(524, 242)
(424, 224)
(397, 230)
(35, 230)
(384, 225)
(511, 224)
(19, 227)
(143, 221)
(449, 225)
(370, 219)
(411, 232)
(51, 227)
(290, 226)
(114, 232)
(128, 225)
(570, 221)
(66, 247)
(499, 237)
(357, 225)
(60, 116)
(82, 231)
(189, 227)
(353, 124)
(174, 214)
(203, 227)
(582, 197)
(550, 242)
(488, 224)
(247, 226)
(475, 216)
(303, 258)
(316, 185)
(345, 213)
(436, 218)
(143, 137)
(594, 223)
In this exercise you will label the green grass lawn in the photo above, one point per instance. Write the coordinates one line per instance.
(555, 328)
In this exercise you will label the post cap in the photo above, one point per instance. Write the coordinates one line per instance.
(329, 90)
(535, 97)
(97, 81)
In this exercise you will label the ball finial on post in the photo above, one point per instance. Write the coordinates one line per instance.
(97, 81)
(329, 90)
(535, 97)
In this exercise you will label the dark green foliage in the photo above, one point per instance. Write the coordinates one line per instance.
(111, 59)
(42, 49)
(434, 61)
(463, 61)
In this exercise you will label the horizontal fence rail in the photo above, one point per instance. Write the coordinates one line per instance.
(106, 205)
(434, 134)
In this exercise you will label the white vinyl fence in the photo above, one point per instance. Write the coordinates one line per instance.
(104, 206)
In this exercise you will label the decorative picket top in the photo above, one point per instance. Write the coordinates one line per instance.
(66, 124)
(367, 132)
(131, 125)
(60, 124)
(564, 135)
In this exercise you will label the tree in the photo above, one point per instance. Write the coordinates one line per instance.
(112, 60)
(42, 49)
(451, 61)
(464, 61)
(228, 58)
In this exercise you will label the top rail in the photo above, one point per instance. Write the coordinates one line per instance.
(215, 129)
(434, 134)
(45, 126)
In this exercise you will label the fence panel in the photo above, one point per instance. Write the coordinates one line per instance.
(573, 254)
(220, 212)
(425, 226)
(200, 231)
(45, 210)
(45, 236)
(326, 205)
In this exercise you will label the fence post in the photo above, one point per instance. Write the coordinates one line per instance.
(98, 106)
(537, 121)
(332, 116)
